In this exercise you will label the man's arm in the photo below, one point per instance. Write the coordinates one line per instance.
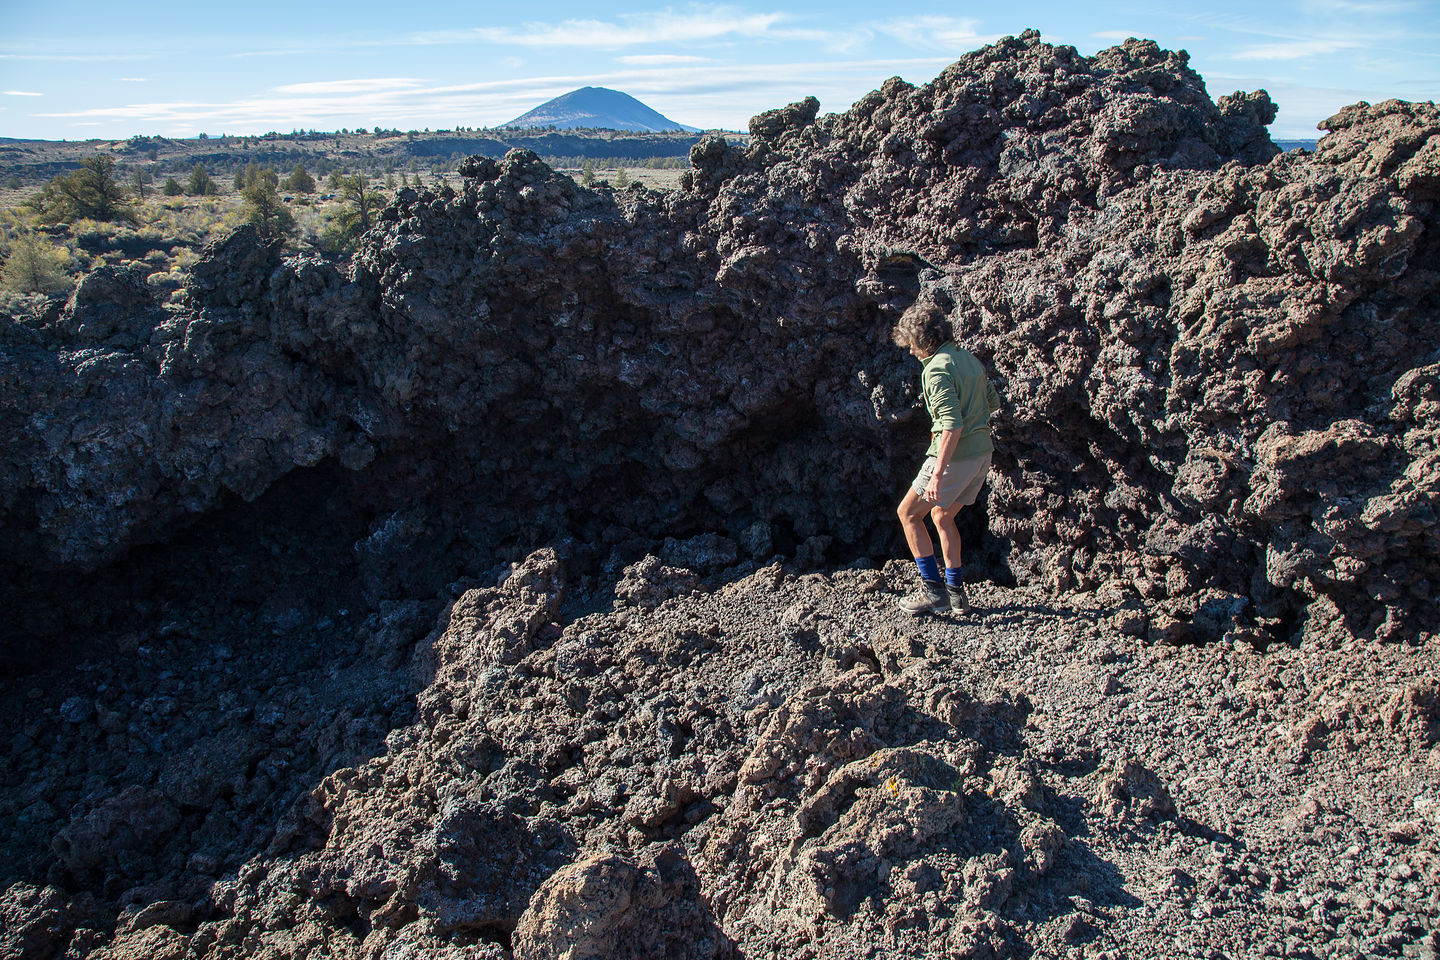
(948, 440)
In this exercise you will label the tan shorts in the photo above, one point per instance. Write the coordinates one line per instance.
(961, 481)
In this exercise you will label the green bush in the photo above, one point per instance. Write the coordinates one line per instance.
(34, 266)
(360, 203)
(263, 205)
(300, 180)
(88, 193)
(200, 184)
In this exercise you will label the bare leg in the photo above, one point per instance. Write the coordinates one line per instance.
(944, 519)
(912, 512)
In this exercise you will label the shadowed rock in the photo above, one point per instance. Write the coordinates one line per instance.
(1213, 357)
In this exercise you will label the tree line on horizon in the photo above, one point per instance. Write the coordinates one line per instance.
(140, 140)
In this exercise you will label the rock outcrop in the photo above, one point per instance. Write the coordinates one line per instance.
(785, 766)
(1217, 361)
(663, 734)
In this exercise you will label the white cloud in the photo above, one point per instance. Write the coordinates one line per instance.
(297, 51)
(936, 31)
(631, 29)
(718, 24)
(375, 84)
(660, 59)
(22, 93)
(726, 97)
(1294, 49)
(1300, 107)
(705, 95)
(1118, 35)
(134, 79)
(75, 57)
(1365, 8)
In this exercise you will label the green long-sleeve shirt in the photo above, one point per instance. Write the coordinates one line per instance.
(958, 397)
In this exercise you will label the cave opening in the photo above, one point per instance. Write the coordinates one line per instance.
(417, 525)
(293, 545)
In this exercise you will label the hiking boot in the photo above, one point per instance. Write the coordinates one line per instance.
(932, 597)
(958, 601)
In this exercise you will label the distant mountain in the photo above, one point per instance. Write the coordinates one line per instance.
(596, 107)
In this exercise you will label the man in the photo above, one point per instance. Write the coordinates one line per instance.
(960, 401)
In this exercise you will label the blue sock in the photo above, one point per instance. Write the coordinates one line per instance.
(952, 576)
(929, 569)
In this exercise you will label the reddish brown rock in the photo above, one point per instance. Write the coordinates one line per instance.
(1218, 365)
(1160, 296)
(609, 905)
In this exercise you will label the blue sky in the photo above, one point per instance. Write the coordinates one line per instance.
(77, 70)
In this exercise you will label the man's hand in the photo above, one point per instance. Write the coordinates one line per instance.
(948, 440)
(932, 489)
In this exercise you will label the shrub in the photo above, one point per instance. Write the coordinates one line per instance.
(34, 266)
(263, 206)
(91, 191)
(200, 184)
(300, 180)
(359, 204)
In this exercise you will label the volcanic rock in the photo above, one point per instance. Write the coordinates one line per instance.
(607, 905)
(1205, 347)
(608, 438)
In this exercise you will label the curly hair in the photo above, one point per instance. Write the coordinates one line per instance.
(924, 326)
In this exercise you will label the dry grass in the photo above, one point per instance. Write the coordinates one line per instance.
(168, 233)
(656, 178)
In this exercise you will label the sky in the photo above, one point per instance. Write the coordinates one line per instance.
(88, 70)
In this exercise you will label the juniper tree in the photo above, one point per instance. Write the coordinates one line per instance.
(300, 180)
(361, 203)
(263, 205)
(200, 184)
(88, 193)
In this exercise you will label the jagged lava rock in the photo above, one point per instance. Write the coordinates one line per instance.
(1216, 359)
